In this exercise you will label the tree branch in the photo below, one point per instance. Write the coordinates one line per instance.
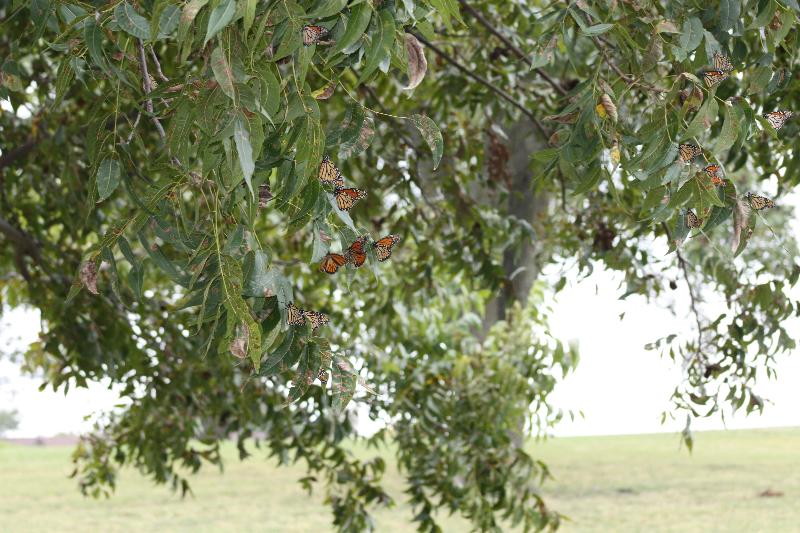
(10, 157)
(148, 87)
(20, 239)
(511, 46)
(692, 298)
(483, 81)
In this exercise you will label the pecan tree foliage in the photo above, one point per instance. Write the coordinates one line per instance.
(160, 206)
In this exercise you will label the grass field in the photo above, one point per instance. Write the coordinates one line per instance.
(624, 483)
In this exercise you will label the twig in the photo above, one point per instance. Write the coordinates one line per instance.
(133, 128)
(157, 64)
(511, 46)
(147, 86)
(483, 81)
(692, 298)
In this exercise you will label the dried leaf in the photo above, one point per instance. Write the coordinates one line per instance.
(609, 106)
(417, 64)
(325, 92)
(88, 276)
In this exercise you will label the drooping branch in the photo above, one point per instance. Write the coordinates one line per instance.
(148, 88)
(511, 46)
(480, 79)
(692, 297)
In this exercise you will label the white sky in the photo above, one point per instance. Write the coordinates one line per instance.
(619, 386)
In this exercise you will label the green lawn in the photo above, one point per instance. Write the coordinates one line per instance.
(626, 483)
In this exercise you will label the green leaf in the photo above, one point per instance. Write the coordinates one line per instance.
(168, 21)
(306, 372)
(432, 135)
(223, 72)
(691, 34)
(221, 16)
(343, 382)
(356, 26)
(93, 36)
(759, 80)
(188, 15)
(231, 272)
(326, 8)
(249, 14)
(241, 136)
(730, 11)
(380, 46)
(64, 79)
(131, 22)
(597, 29)
(730, 130)
(703, 120)
(108, 176)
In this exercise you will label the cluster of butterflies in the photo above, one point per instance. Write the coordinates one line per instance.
(356, 253)
(687, 152)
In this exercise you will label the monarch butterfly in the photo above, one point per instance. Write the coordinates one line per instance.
(713, 77)
(294, 315)
(383, 247)
(316, 318)
(759, 202)
(347, 198)
(777, 118)
(329, 174)
(722, 63)
(312, 34)
(331, 263)
(687, 152)
(322, 376)
(711, 171)
(692, 220)
(355, 254)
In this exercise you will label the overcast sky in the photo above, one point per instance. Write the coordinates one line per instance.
(619, 386)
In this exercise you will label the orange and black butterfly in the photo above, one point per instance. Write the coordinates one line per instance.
(383, 246)
(312, 34)
(347, 198)
(355, 254)
(329, 174)
(687, 152)
(714, 77)
(722, 63)
(778, 118)
(323, 376)
(294, 315)
(331, 263)
(692, 220)
(316, 318)
(712, 172)
(759, 202)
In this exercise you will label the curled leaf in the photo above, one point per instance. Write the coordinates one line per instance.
(432, 135)
(88, 276)
(609, 106)
(417, 64)
(325, 92)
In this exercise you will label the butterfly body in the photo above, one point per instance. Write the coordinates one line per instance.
(687, 152)
(777, 119)
(346, 198)
(383, 247)
(313, 34)
(759, 202)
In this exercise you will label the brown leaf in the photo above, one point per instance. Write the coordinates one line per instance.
(569, 118)
(417, 64)
(88, 276)
(610, 107)
(325, 92)
(238, 345)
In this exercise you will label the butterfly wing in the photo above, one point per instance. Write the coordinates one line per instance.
(316, 318)
(687, 152)
(714, 77)
(777, 118)
(355, 254)
(294, 315)
(312, 34)
(323, 376)
(331, 263)
(347, 198)
(383, 247)
(721, 62)
(758, 202)
(328, 173)
(692, 220)
(712, 172)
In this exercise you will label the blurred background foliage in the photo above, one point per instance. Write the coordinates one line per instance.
(159, 204)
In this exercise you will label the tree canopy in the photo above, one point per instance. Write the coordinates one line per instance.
(173, 173)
